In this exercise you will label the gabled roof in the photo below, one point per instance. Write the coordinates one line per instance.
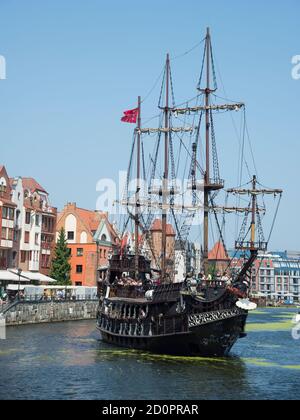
(218, 253)
(157, 227)
(32, 185)
(90, 218)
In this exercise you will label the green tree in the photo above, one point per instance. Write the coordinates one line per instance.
(61, 268)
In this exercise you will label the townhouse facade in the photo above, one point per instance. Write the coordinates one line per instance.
(91, 239)
(36, 225)
(9, 233)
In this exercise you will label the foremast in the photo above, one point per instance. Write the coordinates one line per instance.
(254, 245)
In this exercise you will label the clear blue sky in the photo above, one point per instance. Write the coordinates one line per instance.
(74, 66)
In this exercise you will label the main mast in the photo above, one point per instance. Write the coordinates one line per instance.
(138, 188)
(166, 176)
(207, 171)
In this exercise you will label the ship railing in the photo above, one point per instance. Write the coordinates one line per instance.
(127, 292)
(167, 292)
(134, 328)
(44, 299)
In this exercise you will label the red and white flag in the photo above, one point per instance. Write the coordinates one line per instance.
(131, 116)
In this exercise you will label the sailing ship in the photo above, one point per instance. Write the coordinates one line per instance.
(141, 306)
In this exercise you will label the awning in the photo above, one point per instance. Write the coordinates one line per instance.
(9, 276)
(15, 287)
(30, 276)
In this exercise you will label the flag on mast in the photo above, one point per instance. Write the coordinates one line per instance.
(130, 116)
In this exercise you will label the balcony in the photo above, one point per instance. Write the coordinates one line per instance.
(46, 246)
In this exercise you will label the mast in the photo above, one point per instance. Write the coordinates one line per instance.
(207, 172)
(138, 187)
(166, 174)
(254, 205)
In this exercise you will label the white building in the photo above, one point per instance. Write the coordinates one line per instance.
(35, 221)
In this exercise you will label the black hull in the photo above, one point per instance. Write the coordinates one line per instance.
(214, 339)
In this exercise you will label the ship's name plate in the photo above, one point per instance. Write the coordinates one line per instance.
(208, 317)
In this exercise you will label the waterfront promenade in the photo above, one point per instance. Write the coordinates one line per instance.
(33, 311)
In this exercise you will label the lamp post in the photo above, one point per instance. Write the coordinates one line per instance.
(97, 264)
(19, 274)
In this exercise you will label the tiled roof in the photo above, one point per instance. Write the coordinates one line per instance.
(90, 218)
(157, 226)
(32, 185)
(218, 253)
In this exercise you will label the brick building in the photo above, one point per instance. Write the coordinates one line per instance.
(156, 245)
(91, 239)
(218, 258)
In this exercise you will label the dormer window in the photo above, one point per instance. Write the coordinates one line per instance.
(3, 185)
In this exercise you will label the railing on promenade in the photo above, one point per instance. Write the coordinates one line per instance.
(5, 307)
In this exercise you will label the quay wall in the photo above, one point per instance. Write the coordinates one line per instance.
(25, 313)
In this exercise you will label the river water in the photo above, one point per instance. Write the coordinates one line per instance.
(68, 361)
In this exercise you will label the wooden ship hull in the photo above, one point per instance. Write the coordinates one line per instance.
(214, 339)
(184, 326)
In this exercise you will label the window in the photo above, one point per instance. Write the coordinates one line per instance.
(45, 261)
(36, 239)
(10, 234)
(23, 256)
(8, 213)
(79, 269)
(26, 239)
(78, 284)
(71, 236)
(3, 188)
(103, 238)
(27, 218)
(37, 220)
(79, 252)
(3, 233)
